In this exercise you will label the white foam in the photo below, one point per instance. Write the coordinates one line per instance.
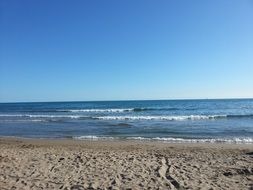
(172, 140)
(131, 117)
(169, 118)
(138, 138)
(238, 140)
(91, 137)
(112, 110)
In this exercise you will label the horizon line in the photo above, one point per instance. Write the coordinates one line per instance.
(173, 99)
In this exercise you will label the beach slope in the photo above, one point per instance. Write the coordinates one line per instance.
(69, 164)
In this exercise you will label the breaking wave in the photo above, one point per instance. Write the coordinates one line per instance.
(129, 117)
(168, 118)
(91, 137)
(181, 140)
(171, 140)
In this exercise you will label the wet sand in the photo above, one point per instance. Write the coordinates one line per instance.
(70, 164)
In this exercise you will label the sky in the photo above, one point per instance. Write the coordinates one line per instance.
(84, 50)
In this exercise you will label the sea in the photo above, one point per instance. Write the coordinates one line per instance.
(174, 121)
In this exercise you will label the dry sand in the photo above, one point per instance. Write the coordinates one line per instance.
(69, 164)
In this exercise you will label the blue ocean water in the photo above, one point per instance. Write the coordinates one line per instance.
(162, 120)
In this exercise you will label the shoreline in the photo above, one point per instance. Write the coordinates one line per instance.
(115, 142)
(106, 164)
(167, 140)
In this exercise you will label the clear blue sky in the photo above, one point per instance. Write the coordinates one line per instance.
(134, 49)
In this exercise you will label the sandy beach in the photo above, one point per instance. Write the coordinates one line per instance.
(69, 164)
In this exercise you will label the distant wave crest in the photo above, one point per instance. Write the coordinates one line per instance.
(99, 110)
(118, 110)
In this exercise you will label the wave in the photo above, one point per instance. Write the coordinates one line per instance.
(175, 118)
(91, 137)
(168, 118)
(238, 140)
(107, 110)
(129, 117)
(119, 110)
(113, 110)
(181, 140)
(100, 110)
(45, 116)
